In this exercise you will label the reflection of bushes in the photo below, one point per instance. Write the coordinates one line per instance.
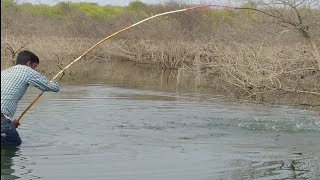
(242, 47)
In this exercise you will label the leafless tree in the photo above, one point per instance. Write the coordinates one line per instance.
(298, 15)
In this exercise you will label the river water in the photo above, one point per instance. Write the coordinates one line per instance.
(114, 129)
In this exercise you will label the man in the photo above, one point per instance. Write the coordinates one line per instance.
(14, 84)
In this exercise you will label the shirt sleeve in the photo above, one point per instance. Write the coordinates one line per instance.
(41, 82)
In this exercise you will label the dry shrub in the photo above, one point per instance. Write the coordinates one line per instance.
(255, 68)
(167, 54)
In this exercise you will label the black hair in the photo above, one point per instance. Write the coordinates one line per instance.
(25, 56)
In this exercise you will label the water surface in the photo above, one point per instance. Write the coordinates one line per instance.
(120, 131)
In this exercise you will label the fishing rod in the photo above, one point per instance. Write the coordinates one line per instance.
(122, 30)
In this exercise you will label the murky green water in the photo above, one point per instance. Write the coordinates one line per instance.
(122, 130)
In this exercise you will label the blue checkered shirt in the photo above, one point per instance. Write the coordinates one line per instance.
(15, 82)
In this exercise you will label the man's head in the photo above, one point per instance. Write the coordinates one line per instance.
(27, 58)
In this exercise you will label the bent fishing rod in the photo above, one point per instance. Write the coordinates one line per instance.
(114, 34)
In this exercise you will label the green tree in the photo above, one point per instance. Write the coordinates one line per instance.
(136, 5)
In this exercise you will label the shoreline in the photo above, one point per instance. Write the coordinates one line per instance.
(149, 76)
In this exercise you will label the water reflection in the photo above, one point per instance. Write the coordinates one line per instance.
(7, 154)
(129, 74)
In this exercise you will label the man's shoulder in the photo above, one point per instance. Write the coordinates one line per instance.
(21, 69)
(19, 66)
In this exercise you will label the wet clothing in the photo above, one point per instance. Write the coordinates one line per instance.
(14, 84)
(11, 134)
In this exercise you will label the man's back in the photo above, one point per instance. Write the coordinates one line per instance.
(15, 82)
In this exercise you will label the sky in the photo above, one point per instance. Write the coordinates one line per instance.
(117, 2)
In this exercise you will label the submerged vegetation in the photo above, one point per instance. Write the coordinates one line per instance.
(264, 52)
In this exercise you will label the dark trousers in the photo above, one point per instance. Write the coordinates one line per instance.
(11, 134)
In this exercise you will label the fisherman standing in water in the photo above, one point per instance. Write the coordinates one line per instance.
(14, 84)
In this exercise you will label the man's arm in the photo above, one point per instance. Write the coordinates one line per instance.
(41, 82)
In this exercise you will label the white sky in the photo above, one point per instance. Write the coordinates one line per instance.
(120, 2)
